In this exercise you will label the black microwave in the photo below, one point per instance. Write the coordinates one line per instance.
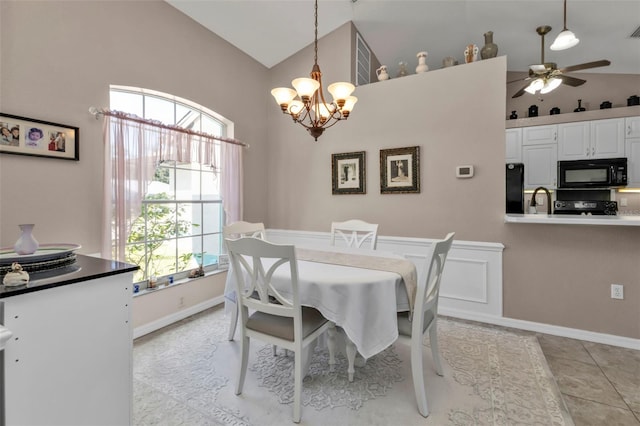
(597, 173)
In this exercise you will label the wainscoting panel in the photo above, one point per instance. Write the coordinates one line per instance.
(472, 280)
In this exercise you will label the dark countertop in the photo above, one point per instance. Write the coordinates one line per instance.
(84, 269)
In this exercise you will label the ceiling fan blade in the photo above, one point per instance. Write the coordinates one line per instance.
(520, 79)
(572, 81)
(586, 65)
(520, 92)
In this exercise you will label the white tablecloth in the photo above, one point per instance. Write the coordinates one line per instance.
(363, 302)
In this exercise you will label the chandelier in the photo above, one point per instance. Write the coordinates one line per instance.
(306, 104)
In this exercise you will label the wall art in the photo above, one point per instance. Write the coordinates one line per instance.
(400, 170)
(348, 174)
(27, 136)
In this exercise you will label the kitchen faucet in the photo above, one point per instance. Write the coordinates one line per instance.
(533, 198)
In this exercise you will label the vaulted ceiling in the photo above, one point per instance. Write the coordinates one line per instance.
(271, 31)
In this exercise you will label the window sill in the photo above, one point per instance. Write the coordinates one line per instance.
(177, 283)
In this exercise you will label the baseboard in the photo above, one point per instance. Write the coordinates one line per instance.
(176, 316)
(555, 330)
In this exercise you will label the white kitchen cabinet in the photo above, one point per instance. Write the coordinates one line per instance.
(538, 135)
(585, 140)
(632, 127)
(514, 146)
(632, 151)
(540, 165)
(632, 147)
(607, 138)
(574, 142)
(69, 361)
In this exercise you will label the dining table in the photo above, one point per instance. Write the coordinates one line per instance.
(359, 290)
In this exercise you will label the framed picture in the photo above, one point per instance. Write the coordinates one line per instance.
(26, 136)
(348, 174)
(400, 170)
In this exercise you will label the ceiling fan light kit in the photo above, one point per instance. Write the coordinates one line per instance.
(546, 76)
(310, 109)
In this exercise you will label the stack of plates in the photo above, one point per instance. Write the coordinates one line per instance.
(47, 257)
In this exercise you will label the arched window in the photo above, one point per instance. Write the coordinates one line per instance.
(179, 227)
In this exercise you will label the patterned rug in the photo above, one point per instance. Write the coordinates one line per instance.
(185, 374)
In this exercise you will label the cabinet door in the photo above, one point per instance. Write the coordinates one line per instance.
(514, 146)
(539, 135)
(540, 165)
(632, 148)
(607, 138)
(573, 141)
(632, 127)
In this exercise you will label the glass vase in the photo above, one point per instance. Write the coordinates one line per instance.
(26, 244)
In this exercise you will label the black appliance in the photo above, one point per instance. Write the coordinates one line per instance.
(596, 207)
(515, 188)
(597, 173)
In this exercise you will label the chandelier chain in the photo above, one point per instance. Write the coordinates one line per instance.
(315, 54)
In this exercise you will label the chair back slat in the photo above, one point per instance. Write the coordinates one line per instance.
(429, 283)
(244, 229)
(354, 233)
(254, 267)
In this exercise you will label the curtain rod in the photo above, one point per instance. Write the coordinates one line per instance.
(131, 117)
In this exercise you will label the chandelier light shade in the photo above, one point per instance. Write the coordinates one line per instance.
(543, 85)
(566, 38)
(306, 104)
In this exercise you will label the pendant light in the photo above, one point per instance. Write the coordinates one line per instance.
(306, 104)
(566, 38)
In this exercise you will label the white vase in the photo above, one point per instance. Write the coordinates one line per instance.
(422, 63)
(26, 244)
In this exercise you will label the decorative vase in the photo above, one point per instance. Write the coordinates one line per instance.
(580, 107)
(382, 73)
(533, 111)
(449, 61)
(554, 111)
(422, 63)
(513, 116)
(471, 53)
(490, 49)
(26, 244)
(402, 69)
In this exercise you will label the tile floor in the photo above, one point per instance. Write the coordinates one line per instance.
(599, 383)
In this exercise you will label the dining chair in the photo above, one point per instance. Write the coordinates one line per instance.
(425, 318)
(277, 317)
(238, 230)
(355, 232)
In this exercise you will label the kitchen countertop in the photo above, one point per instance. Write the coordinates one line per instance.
(555, 219)
(85, 268)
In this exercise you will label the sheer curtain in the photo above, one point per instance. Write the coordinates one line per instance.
(133, 147)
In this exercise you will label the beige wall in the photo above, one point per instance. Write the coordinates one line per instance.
(552, 274)
(58, 59)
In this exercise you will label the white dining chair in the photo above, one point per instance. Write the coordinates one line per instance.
(425, 318)
(238, 230)
(276, 318)
(354, 233)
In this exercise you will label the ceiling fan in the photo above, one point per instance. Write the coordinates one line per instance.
(547, 76)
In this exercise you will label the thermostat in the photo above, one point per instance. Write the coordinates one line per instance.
(464, 172)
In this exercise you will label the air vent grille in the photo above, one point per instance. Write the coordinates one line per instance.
(636, 33)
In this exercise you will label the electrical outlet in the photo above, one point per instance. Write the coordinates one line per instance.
(617, 291)
(623, 202)
(540, 200)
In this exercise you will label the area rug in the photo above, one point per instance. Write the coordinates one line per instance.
(185, 374)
